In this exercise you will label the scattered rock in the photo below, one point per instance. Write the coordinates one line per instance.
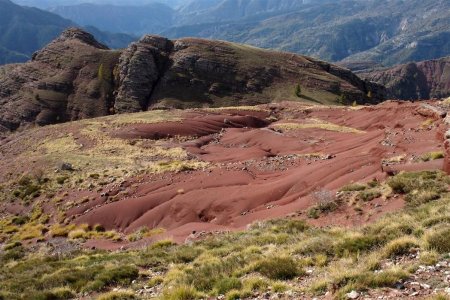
(66, 167)
(353, 295)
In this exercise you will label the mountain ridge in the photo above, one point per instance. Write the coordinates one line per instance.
(75, 77)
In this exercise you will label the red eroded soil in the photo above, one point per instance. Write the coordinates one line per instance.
(260, 170)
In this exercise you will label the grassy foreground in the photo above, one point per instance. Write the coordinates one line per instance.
(285, 256)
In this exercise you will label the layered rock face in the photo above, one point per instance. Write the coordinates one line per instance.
(75, 77)
(140, 67)
(423, 80)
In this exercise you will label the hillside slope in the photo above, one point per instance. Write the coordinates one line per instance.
(75, 77)
(135, 184)
(422, 80)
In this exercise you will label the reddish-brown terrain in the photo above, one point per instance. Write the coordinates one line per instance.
(262, 162)
(422, 80)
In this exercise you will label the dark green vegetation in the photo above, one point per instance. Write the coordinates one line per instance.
(272, 255)
(24, 30)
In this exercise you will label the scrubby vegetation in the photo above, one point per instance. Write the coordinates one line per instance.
(270, 256)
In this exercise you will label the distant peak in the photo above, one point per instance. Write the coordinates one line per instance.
(74, 33)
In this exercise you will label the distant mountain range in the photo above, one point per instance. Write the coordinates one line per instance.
(24, 30)
(356, 33)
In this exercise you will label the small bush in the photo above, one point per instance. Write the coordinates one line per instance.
(99, 228)
(255, 284)
(20, 220)
(430, 222)
(61, 179)
(181, 293)
(234, 295)
(11, 246)
(382, 279)
(62, 293)
(355, 245)
(289, 226)
(432, 155)
(13, 254)
(282, 268)
(405, 183)
(61, 231)
(56, 294)
(421, 197)
(157, 280)
(368, 195)
(439, 240)
(227, 284)
(77, 234)
(325, 202)
(119, 295)
(429, 258)
(354, 187)
(399, 246)
(279, 287)
(185, 254)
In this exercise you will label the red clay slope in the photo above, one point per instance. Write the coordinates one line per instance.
(259, 172)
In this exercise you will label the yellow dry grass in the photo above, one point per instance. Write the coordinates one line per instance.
(248, 108)
(317, 124)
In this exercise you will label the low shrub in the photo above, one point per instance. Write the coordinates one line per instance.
(354, 187)
(282, 268)
(405, 183)
(432, 155)
(185, 254)
(429, 258)
(355, 245)
(118, 295)
(381, 279)
(183, 292)
(225, 285)
(399, 246)
(430, 222)
(255, 284)
(368, 195)
(289, 226)
(439, 240)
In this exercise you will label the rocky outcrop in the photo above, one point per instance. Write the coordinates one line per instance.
(423, 80)
(76, 77)
(140, 67)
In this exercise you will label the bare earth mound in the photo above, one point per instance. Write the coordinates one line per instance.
(219, 169)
